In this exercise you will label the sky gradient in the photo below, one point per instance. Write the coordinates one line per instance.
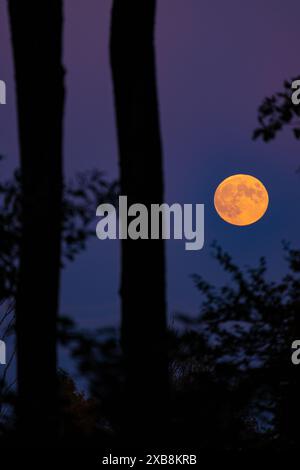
(216, 61)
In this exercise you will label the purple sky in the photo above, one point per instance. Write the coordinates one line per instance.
(216, 61)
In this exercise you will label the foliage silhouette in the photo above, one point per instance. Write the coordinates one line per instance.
(277, 112)
(233, 385)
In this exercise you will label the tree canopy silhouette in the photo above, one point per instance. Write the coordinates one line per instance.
(233, 385)
(276, 112)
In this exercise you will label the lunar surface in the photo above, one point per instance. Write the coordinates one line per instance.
(241, 199)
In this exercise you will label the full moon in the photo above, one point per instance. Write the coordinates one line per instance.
(241, 199)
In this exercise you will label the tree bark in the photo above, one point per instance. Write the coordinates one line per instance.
(143, 331)
(36, 29)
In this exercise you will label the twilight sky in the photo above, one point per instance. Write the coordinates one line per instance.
(216, 61)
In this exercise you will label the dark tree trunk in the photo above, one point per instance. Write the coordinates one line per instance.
(36, 29)
(143, 330)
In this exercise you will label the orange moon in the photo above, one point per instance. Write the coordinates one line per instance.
(241, 199)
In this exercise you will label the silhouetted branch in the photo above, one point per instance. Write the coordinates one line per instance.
(276, 112)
